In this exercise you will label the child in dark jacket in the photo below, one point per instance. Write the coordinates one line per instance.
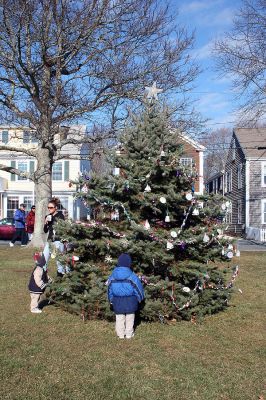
(39, 279)
(125, 292)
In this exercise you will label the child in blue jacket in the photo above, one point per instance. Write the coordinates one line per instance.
(125, 292)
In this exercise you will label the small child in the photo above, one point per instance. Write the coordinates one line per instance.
(39, 278)
(125, 292)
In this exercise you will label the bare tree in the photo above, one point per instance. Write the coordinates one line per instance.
(62, 61)
(217, 144)
(242, 54)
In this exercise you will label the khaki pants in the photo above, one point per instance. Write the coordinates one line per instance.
(35, 298)
(124, 325)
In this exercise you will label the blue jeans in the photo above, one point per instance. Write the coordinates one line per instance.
(61, 269)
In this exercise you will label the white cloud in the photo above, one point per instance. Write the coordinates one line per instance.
(204, 51)
(195, 6)
(222, 18)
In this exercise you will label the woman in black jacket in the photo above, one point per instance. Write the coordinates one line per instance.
(50, 227)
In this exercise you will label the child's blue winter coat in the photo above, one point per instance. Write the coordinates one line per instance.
(125, 290)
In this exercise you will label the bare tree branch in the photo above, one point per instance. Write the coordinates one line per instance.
(242, 54)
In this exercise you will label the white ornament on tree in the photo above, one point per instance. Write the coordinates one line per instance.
(108, 259)
(147, 188)
(206, 238)
(116, 171)
(229, 254)
(169, 245)
(173, 234)
(167, 218)
(189, 196)
(163, 200)
(147, 225)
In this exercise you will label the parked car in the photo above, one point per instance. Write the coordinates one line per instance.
(7, 228)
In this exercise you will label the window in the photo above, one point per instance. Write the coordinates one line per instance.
(63, 205)
(57, 174)
(4, 137)
(239, 176)
(263, 211)
(28, 137)
(23, 167)
(28, 201)
(186, 162)
(239, 211)
(12, 205)
(229, 181)
(263, 174)
(60, 171)
(228, 216)
(225, 182)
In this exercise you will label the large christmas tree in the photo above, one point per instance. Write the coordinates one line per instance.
(147, 207)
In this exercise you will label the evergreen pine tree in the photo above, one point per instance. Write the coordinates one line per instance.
(150, 211)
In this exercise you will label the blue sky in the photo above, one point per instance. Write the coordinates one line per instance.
(210, 19)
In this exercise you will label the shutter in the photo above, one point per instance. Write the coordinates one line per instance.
(66, 171)
(13, 165)
(31, 166)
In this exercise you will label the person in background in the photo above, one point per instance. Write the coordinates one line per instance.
(30, 220)
(50, 222)
(125, 293)
(20, 224)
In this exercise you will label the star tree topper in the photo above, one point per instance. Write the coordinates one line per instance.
(152, 91)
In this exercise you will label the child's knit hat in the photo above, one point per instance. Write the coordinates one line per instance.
(124, 260)
(39, 259)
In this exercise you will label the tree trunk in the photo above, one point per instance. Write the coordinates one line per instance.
(43, 190)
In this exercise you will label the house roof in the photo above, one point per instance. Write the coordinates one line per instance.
(250, 140)
(189, 140)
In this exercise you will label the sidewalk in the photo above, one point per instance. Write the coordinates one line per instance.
(250, 245)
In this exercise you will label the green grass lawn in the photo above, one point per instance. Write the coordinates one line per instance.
(54, 355)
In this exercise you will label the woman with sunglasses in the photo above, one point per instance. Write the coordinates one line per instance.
(50, 227)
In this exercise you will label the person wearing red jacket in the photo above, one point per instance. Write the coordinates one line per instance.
(30, 220)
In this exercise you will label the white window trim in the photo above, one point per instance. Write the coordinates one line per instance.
(263, 202)
(263, 169)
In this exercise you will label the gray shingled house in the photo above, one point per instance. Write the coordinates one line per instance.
(243, 182)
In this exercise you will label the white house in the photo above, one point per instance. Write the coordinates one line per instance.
(15, 189)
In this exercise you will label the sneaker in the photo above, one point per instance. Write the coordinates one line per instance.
(121, 337)
(36, 310)
(130, 337)
(23, 245)
(11, 244)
